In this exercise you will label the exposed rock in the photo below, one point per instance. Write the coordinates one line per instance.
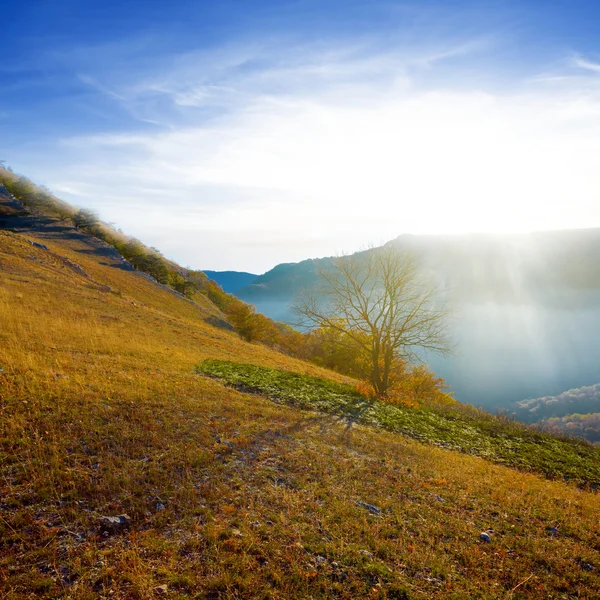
(72, 265)
(485, 537)
(217, 322)
(374, 510)
(114, 524)
(161, 590)
(36, 245)
(586, 566)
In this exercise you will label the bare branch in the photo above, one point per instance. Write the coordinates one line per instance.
(378, 300)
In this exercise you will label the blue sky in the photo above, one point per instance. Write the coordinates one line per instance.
(241, 134)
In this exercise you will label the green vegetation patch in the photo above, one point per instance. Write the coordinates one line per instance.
(463, 428)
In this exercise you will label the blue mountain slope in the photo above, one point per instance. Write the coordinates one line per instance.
(231, 281)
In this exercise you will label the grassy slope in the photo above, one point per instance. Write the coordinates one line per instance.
(101, 412)
(461, 428)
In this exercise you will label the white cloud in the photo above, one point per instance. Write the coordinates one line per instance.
(333, 150)
(588, 65)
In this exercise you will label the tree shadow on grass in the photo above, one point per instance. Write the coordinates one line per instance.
(348, 412)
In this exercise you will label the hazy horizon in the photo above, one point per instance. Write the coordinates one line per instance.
(236, 136)
(439, 236)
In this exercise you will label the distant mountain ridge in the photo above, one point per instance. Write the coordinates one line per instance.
(232, 281)
(474, 266)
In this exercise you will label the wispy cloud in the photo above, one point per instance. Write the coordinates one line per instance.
(335, 146)
(586, 64)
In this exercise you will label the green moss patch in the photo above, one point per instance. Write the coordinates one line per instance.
(464, 428)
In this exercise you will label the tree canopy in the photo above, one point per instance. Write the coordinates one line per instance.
(379, 304)
(85, 219)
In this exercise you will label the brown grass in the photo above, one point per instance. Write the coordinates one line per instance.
(101, 414)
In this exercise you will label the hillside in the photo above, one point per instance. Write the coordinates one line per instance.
(527, 305)
(228, 494)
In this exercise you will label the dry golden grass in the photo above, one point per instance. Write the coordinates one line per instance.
(230, 495)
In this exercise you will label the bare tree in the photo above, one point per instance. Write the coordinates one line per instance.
(378, 301)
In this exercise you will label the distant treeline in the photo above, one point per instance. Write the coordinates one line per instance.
(586, 427)
(39, 200)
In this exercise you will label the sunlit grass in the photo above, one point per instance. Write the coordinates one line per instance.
(466, 430)
(102, 413)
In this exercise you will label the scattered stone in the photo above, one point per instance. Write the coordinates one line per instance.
(161, 590)
(374, 510)
(433, 580)
(438, 498)
(485, 537)
(36, 245)
(319, 560)
(219, 440)
(255, 524)
(366, 553)
(160, 506)
(237, 533)
(554, 531)
(114, 524)
(586, 566)
(338, 572)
